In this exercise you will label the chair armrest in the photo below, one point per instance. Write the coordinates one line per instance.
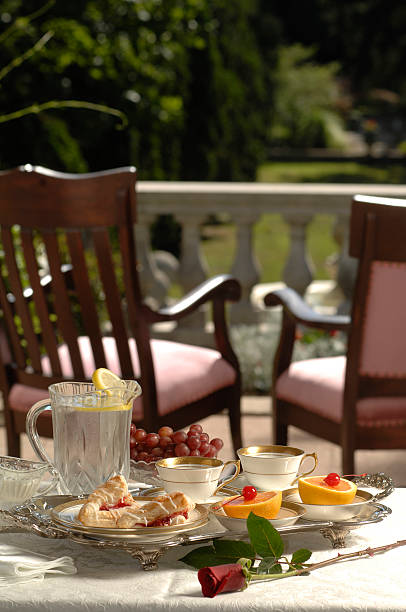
(297, 308)
(222, 287)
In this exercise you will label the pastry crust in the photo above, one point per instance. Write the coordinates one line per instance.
(107, 496)
(161, 510)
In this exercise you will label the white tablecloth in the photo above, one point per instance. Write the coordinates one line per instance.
(108, 580)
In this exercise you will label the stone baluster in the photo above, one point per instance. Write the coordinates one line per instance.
(347, 266)
(154, 283)
(193, 268)
(245, 268)
(298, 270)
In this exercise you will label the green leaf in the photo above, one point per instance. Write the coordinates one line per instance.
(300, 556)
(264, 538)
(276, 569)
(234, 548)
(266, 564)
(204, 557)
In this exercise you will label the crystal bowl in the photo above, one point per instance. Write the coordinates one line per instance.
(20, 479)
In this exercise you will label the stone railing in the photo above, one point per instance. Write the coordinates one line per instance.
(244, 203)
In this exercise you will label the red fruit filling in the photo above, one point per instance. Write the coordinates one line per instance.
(166, 520)
(120, 504)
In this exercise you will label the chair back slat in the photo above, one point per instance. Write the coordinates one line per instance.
(69, 226)
(113, 299)
(86, 298)
(32, 347)
(49, 338)
(62, 305)
(10, 327)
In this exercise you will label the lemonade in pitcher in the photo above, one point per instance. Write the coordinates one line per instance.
(91, 428)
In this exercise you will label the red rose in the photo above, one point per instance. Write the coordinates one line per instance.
(221, 579)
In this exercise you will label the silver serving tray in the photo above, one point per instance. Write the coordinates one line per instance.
(36, 517)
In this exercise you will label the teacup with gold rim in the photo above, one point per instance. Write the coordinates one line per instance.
(274, 466)
(197, 477)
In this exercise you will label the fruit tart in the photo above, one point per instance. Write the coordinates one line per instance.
(111, 505)
(165, 510)
(107, 503)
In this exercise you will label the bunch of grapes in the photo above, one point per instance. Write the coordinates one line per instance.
(150, 447)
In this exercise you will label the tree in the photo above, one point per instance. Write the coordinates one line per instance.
(188, 75)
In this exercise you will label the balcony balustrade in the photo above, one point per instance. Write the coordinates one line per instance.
(191, 203)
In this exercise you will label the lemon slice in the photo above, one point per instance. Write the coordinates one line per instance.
(103, 378)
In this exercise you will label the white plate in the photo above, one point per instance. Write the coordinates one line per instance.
(336, 512)
(67, 515)
(288, 514)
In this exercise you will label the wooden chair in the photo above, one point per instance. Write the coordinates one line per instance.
(358, 400)
(79, 229)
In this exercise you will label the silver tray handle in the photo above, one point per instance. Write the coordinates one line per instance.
(379, 481)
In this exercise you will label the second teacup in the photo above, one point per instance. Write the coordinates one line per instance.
(273, 466)
(197, 477)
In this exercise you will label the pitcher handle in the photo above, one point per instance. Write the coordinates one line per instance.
(31, 428)
(237, 464)
(315, 459)
(35, 441)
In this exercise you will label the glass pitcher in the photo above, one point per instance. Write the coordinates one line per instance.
(91, 430)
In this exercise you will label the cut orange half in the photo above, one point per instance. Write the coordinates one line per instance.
(266, 504)
(313, 490)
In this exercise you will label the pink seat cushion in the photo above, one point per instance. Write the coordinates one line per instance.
(184, 373)
(318, 386)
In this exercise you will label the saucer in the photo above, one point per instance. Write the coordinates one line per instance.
(288, 514)
(334, 512)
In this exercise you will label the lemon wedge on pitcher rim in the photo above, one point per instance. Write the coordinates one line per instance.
(103, 379)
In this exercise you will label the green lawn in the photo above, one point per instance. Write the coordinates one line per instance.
(331, 172)
(271, 240)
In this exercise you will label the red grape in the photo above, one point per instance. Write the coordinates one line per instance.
(193, 442)
(150, 447)
(196, 428)
(217, 443)
(152, 440)
(179, 436)
(134, 453)
(165, 431)
(140, 435)
(211, 452)
(165, 441)
(204, 447)
(182, 450)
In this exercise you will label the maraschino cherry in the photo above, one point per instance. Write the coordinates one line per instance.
(249, 492)
(332, 479)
